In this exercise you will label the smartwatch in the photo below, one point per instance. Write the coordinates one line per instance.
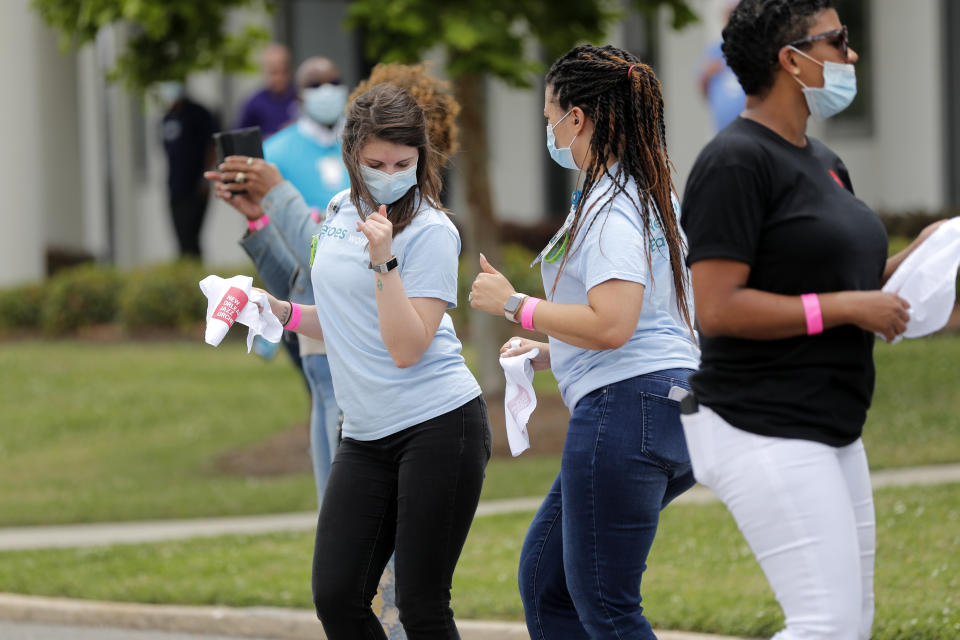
(513, 305)
(389, 265)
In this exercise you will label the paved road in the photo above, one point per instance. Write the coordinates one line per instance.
(33, 631)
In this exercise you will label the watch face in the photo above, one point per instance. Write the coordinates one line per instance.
(392, 263)
(513, 302)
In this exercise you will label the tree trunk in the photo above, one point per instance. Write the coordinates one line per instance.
(482, 229)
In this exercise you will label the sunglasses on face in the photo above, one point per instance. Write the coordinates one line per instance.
(314, 85)
(838, 38)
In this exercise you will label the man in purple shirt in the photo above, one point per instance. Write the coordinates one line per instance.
(274, 106)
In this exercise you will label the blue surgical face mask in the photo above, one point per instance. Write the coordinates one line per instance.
(325, 104)
(838, 90)
(563, 157)
(387, 188)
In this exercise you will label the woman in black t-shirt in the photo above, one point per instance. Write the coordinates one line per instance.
(787, 265)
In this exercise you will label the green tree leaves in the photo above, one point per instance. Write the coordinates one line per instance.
(489, 36)
(164, 39)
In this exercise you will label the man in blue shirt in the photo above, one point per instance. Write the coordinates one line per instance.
(719, 85)
(307, 153)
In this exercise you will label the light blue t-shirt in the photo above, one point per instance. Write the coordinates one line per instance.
(613, 249)
(378, 398)
(310, 158)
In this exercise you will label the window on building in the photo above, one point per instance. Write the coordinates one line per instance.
(951, 58)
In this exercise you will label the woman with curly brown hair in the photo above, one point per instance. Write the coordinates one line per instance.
(433, 96)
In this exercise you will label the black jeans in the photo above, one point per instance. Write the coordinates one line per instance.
(413, 493)
(188, 212)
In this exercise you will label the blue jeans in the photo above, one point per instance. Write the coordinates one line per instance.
(324, 419)
(624, 460)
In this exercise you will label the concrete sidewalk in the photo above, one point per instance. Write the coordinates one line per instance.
(105, 533)
(278, 624)
(260, 622)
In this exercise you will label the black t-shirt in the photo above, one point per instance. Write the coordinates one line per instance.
(789, 212)
(188, 129)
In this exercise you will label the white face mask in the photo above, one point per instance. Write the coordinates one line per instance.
(838, 90)
(169, 92)
(564, 156)
(325, 104)
(387, 188)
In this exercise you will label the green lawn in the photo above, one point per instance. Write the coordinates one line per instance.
(702, 576)
(915, 417)
(96, 432)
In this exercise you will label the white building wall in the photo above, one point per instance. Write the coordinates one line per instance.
(899, 164)
(54, 170)
(517, 144)
(31, 176)
(688, 121)
(900, 167)
(91, 154)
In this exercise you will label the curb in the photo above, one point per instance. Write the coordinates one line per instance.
(258, 622)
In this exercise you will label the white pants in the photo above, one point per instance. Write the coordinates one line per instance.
(806, 510)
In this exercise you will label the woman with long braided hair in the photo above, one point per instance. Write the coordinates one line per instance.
(621, 346)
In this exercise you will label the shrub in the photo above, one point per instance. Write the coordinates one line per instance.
(516, 268)
(910, 223)
(78, 297)
(163, 296)
(20, 307)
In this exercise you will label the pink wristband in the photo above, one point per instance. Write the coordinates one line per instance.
(526, 314)
(294, 321)
(811, 308)
(259, 223)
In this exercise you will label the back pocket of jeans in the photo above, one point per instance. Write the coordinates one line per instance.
(662, 432)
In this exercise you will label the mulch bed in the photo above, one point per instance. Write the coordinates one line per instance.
(289, 450)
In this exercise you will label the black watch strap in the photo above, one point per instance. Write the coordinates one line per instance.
(389, 265)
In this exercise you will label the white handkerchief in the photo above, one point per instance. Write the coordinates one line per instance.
(927, 279)
(519, 400)
(227, 303)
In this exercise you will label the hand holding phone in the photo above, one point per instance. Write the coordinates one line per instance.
(238, 142)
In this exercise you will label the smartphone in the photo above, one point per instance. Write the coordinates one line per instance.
(238, 142)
